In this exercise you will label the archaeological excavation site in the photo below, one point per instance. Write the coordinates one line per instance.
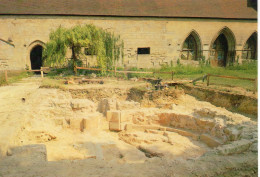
(129, 88)
(120, 128)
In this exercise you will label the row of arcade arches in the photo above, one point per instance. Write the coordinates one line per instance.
(221, 49)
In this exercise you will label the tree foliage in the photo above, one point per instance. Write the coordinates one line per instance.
(107, 46)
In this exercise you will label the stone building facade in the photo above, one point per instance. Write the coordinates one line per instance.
(150, 41)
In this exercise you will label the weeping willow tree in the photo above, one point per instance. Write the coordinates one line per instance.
(106, 46)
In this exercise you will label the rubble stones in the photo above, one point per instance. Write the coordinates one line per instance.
(235, 147)
(79, 104)
(205, 112)
(232, 133)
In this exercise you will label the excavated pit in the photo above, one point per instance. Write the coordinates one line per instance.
(130, 126)
(139, 113)
(232, 101)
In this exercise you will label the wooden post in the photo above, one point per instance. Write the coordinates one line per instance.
(6, 78)
(172, 75)
(208, 80)
(42, 73)
(255, 90)
(75, 70)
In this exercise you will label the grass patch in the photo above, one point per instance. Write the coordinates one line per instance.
(13, 76)
(188, 72)
(53, 83)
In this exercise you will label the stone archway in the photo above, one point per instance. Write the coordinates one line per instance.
(191, 47)
(250, 48)
(222, 48)
(36, 57)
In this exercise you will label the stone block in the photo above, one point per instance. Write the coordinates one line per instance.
(236, 147)
(77, 124)
(115, 126)
(116, 116)
(210, 141)
(91, 123)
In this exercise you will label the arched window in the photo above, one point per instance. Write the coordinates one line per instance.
(191, 47)
(250, 48)
(222, 48)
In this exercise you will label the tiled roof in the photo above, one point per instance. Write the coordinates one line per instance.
(236, 9)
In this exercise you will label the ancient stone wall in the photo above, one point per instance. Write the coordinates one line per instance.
(164, 36)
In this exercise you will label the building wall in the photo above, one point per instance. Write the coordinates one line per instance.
(164, 36)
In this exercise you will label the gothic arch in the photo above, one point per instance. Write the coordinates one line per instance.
(222, 47)
(195, 48)
(36, 42)
(249, 50)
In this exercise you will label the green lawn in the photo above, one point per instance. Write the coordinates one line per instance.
(246, 70)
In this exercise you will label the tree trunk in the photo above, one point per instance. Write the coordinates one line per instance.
(74, 58)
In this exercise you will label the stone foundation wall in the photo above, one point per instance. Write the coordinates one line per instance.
(164, 36)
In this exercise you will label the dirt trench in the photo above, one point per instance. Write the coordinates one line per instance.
(243, 104)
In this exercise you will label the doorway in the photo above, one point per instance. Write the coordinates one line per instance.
(220, 46)
(36, 57)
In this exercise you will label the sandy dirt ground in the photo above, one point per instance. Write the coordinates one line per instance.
(37, 138)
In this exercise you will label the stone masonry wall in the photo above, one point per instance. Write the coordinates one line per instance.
(164, 36)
